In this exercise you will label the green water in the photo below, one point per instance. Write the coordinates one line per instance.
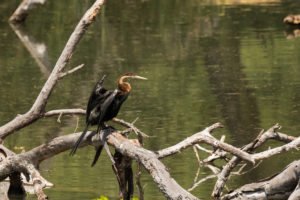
(206, 62)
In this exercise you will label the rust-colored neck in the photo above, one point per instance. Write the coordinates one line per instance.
(124, 87)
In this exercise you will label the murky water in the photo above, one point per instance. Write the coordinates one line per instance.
(206, 61)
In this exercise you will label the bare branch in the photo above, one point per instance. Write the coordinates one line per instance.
(63, 74)
(38, 108)
(204, 136)
(64, 112)
(168, 186)
(197, 155)
(17, 163)
(275, 151)
(161, 176)
(201, 181)
(203, 149)
(194, 139)
(130, 125)
(224, 175)
(279, 186)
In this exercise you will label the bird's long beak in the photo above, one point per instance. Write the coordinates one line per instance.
(140, 77)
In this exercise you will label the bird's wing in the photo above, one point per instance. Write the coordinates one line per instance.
(98, 85)
(97, 96)
(108, 101)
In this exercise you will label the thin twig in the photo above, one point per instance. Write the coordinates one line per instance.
(197, 155)
(63, 74)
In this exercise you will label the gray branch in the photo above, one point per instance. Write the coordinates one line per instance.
(38, 108)
(260, 140)
(168, 186)
(279, 186)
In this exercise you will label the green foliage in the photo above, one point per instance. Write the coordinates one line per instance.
(101, 198)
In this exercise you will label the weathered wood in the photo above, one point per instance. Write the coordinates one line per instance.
(38, 108)
(205, 137)
(296, 193)
(169, 187)
(279, 186)
(16, 164)
(260, 140)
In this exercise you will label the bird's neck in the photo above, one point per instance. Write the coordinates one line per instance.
(124, 87)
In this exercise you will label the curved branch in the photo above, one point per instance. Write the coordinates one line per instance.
(205, 137)
(194, 139)
(169, 187)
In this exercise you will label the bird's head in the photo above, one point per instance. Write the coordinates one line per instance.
(124, 86)
(133, 76)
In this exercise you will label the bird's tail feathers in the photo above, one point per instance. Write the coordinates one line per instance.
(79, 140)
(97, 155)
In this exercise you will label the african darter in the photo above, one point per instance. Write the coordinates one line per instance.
(104, 105)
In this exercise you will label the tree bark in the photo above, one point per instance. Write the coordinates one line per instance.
(279, 186)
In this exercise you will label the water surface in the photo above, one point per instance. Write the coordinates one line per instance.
(206, 61)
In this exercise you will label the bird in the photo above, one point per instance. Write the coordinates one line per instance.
(104, 105)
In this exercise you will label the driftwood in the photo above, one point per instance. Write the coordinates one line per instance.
(261, 139)
(279, 186)
(284, 185)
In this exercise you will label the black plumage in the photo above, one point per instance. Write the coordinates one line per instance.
(104, 105)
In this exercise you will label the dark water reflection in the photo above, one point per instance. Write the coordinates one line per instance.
(206, 62)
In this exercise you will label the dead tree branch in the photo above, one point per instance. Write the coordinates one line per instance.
(261, 139)
(23, 162)
(167, 185)
(64, 112)
(207, 138)
(279, 186)
(14, 163)
(38, 108)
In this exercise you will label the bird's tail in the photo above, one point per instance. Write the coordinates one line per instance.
(97, 155)
(79, 140)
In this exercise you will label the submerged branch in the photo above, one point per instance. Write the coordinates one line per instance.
(23, 10)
